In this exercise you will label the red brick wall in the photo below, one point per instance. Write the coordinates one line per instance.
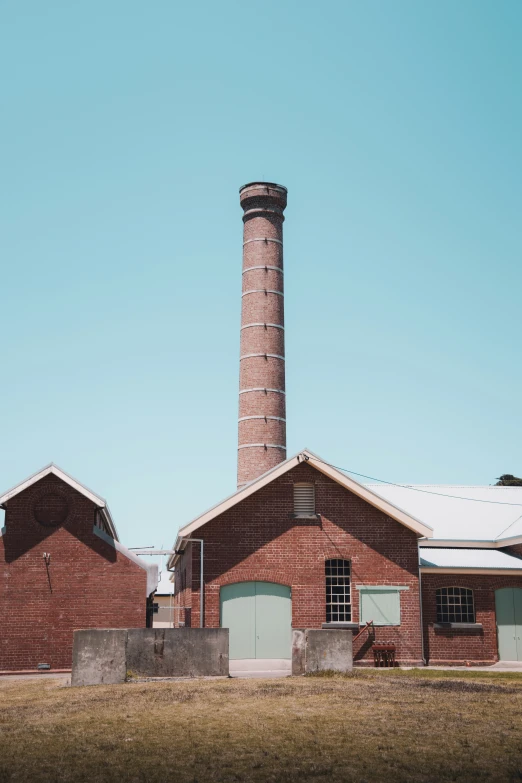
(90, 584)
(456, 646)
(259, 539)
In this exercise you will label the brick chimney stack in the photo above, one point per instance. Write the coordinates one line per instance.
(262, 403)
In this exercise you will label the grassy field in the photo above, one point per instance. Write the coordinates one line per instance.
(374, 726)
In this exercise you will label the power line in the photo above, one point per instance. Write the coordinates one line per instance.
(415, 489)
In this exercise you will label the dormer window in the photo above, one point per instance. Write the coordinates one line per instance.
(304, 500)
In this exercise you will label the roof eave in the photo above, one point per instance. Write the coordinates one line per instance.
(461, 543)
(470, 571)
(399, 515)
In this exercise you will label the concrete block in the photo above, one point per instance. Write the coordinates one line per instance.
(99, 657)
(178, 652)
(298, 651)
(328, 650)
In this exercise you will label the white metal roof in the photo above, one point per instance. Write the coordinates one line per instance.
(61, 474)
(431, 557)
(490, 513)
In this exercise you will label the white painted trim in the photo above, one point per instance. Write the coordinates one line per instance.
(460, 543)
(275, 326)
(262, 239)
(262, 389)
(253, 355)
(382, 588)
(273, 418)
(460, 570)
(262, 291)
(360, 490)
(263, 266)
(261, 446)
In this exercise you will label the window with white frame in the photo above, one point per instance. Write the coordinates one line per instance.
(304, 499)
(338, 594)
(455, 605)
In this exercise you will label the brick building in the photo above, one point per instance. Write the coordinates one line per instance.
(301, 545)
(62, 568)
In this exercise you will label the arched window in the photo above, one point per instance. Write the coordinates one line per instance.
(338, 597)
(455, 605)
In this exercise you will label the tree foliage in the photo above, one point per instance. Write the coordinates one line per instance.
(507, 480)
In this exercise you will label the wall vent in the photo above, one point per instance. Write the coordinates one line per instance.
(304, 500)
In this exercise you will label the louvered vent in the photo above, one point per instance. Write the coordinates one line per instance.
(304, 499)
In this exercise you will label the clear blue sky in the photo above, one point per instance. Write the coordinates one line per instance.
(127, 129)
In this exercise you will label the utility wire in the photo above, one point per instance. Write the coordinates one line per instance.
(415, 489)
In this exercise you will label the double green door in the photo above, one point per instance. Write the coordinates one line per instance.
(259, 618)
(508, 606)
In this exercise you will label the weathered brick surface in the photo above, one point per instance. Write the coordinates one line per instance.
(262, 332)
(88, 583)
(259, 539)
(456, 646)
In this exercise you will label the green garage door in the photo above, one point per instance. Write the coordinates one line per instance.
(508, 606)
(259, 618)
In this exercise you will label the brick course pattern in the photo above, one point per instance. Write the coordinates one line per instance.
(259, 539)
(262, 406)
(87, 584)
(446, 646)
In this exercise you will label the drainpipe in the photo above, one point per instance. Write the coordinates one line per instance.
(420, 607)
(201, 583)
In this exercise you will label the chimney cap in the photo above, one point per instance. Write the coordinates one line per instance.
(261, 183)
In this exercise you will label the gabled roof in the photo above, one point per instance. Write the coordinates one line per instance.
(489, 515)
(362, 491)
(53, 469)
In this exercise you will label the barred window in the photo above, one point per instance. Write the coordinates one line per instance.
(338, 603)
(455, 605)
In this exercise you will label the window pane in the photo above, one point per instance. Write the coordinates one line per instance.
(455, 605)
(338, 604)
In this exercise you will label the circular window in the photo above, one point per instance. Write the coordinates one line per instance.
(51, 510)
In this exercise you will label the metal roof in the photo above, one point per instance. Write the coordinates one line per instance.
(468, 558)
(486, 513)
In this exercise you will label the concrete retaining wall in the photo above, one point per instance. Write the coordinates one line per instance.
(321, 650)
(102, 657)
(178, 652)
(99, 657)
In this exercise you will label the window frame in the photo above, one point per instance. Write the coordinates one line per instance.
(439, 614)
(328, 606)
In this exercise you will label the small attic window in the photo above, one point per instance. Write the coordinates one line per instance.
(304, 500)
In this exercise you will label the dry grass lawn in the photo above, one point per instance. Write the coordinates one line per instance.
(374, 726)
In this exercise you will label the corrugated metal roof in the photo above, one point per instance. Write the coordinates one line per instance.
(467, 558)
(455, 517)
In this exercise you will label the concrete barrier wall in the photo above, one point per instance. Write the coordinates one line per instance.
(99, 657)
(178, 652)
(105, 656)
(321, 650)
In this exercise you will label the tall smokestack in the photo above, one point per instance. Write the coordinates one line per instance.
(262, 404)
